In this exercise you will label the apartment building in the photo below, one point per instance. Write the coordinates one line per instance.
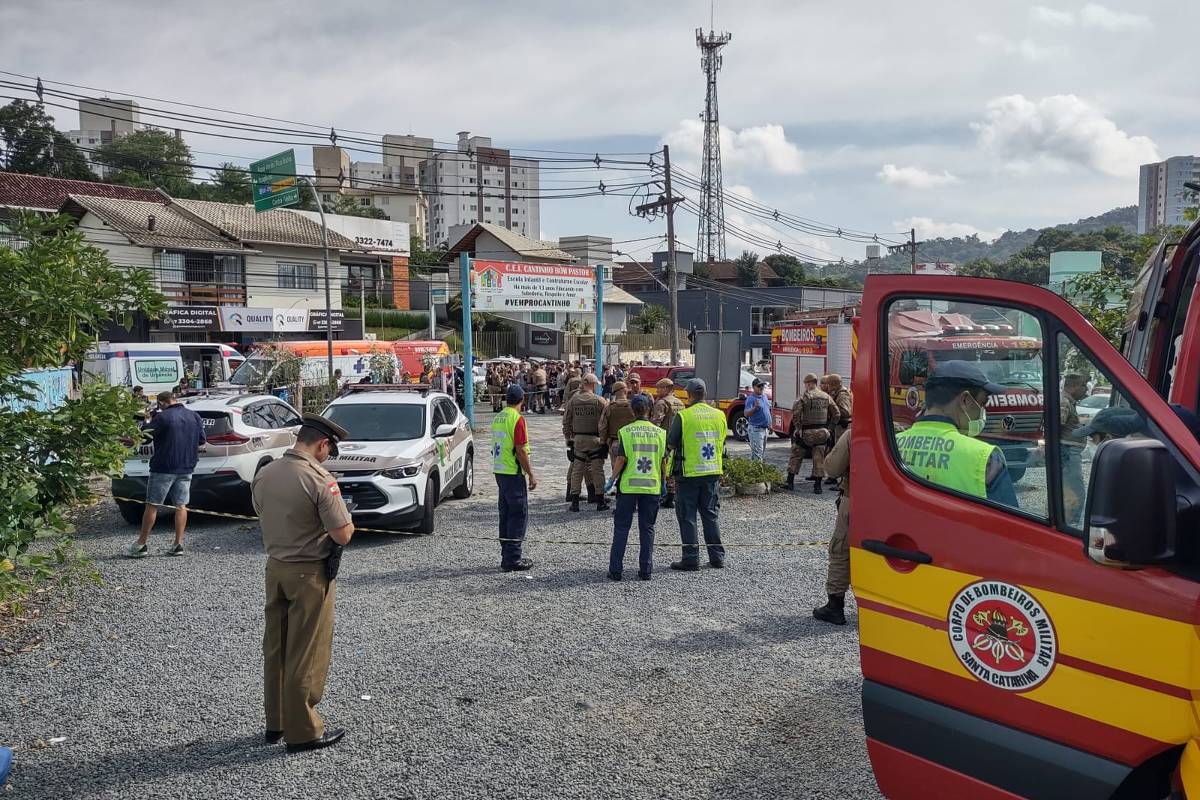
(101, 121)
(1162, 196)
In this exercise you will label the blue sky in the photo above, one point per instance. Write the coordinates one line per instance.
(953, 117)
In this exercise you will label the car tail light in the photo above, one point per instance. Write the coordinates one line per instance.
(228, 438)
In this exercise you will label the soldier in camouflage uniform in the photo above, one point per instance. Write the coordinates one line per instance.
(813, 414)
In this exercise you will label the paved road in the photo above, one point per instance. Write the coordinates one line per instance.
(552, 684)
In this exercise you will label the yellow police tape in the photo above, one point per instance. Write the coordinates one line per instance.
(357, 528)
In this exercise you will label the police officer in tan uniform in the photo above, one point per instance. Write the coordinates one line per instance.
(581, 428)
(666, 406)
(813, 415)
(574, 381)
(617, 414)
(304, 521)
(837, 578)
(832, 385)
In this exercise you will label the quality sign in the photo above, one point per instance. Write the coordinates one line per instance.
(511, 286)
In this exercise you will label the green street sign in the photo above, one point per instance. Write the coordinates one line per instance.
(274, 181)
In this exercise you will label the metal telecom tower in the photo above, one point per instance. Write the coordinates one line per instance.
(710, 239)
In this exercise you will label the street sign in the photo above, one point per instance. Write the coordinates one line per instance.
(274, 180)
(441, 296)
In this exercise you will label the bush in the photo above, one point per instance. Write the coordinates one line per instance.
(391, 318)
(744, 472)
(57, 292)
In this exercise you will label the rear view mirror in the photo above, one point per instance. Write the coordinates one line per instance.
(443, 431)
(1131, 515)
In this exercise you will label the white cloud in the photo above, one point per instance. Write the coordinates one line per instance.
(1094, 15)
(1059, 131)
(915, 177)
(1052, 16)
(764, 148)
(927, 228)
(1025, 48)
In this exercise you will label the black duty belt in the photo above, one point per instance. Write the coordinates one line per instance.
(813, 427)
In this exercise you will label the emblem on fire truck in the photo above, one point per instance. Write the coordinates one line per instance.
(1002, 635)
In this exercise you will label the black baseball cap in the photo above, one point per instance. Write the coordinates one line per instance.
(514, 394)
(965, 374)
(639, 402)
(758, 382)
(327, 428)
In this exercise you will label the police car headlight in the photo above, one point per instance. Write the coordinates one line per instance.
(395, 473)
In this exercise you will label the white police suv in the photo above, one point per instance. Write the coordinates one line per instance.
(408, 448)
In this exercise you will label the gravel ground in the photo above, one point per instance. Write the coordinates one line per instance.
(454, 679)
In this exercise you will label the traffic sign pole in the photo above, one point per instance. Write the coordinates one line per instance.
(464, 268)
(328, 301)
(599, 320)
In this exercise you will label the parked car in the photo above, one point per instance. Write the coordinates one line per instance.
(243, 433)
(408, 449)
(1089, 406)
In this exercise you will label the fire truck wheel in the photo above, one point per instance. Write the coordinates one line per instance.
(739, 426)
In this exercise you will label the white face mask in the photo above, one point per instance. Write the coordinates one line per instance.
(976, 426)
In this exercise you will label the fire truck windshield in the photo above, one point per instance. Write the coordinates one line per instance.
(1008, 366)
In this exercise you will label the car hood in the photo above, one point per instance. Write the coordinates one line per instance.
(376, 455)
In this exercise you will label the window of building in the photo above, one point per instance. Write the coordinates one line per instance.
(542, 317)
(383, 201)
(297, 276)
(171, 265)
(487, 182)
(764, 318)
(364, 201)
(487, 208)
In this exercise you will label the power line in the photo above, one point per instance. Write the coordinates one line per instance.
(316, 132)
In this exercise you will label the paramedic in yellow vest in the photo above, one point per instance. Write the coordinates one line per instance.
(697, 438)
(941, 446)
(510, 463)
(639, 471)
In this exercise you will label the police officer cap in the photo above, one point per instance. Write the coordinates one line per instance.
(327, 428)
(664, 383)
(696, 386)
(810, 378)
(1117, 421)
(633, 376)
(639, 403)
(514, 394)
(619, 386)
(964, 374)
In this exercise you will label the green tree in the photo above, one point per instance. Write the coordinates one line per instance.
(420, 258)
(33, 146)
(748, 272)
(149, 159)
(702, 270)
(57, 294)
(787, 267)
(229, 184)
(1102, 297)
(650, 319)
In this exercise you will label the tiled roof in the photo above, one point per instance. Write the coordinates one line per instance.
(264, 227)
(521, 245)
(615, 294)
(18, 190)
(172, 229)
(726, 272)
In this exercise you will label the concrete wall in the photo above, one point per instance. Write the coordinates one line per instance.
(262, 278)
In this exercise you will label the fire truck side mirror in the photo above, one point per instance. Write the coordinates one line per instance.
(1131, 511)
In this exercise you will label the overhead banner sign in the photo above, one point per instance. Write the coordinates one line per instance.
(316, 319)
(936, 268)
(274, 320)
(190, 318)
(800, 340)
(510, 286)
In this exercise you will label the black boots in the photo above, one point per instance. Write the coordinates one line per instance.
(818, 485)
(791, 482)
(575, 503)
(668, 501)
(833, 612)
(603, 504)
(591, 497)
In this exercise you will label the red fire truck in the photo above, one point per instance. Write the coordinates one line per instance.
(921, 338)
(800, 348)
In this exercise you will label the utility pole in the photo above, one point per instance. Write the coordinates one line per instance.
(912, 244)
(668, 201)
(911, 247)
